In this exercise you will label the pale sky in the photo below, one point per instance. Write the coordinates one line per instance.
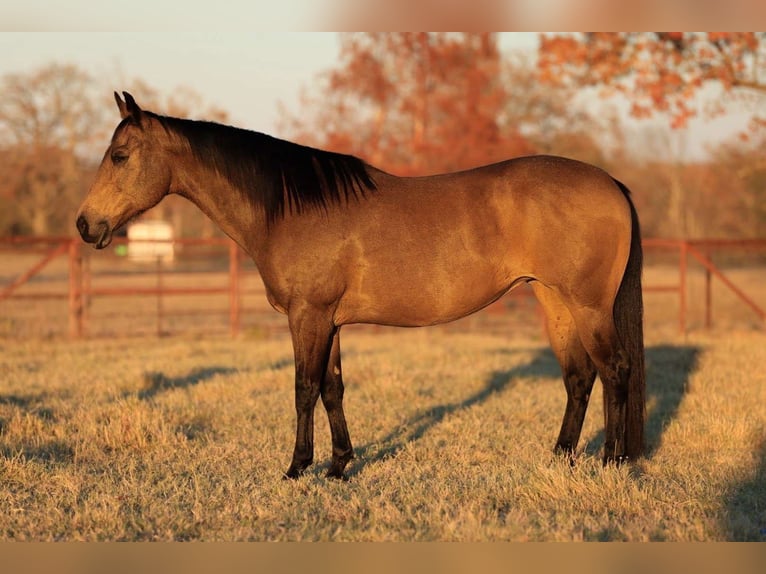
(246, 74)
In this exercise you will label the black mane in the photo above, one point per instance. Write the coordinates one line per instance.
(274, 172)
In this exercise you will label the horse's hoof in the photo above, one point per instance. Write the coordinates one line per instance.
(566, 452)
(292, 473)
(337, 475)
(338, 466)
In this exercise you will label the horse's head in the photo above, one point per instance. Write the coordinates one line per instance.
(133, 176)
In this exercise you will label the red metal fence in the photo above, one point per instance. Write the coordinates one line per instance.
(223, 273)
(82, 286)
(701, 251)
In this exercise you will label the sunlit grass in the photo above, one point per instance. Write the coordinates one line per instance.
(184, 439)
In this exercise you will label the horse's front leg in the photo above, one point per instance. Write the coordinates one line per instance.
(312, 332)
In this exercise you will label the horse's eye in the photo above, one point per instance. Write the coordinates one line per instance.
(119, 157)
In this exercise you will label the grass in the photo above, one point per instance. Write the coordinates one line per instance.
(186, 439)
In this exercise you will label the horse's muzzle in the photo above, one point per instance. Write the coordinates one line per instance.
(100, 235)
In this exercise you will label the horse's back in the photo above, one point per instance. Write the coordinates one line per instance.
(526, 215)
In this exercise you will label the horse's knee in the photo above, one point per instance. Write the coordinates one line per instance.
(332, 398)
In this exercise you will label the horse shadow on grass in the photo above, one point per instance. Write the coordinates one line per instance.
(157, 382)
(668, 370)
(542, 365)
(745, 516)
(36, 405)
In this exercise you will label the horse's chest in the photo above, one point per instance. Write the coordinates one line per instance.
(274, 302)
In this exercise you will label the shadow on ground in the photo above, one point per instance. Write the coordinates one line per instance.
(745, 516)
(542, 365)
(668, 370)
(156, 382)
(39, 451)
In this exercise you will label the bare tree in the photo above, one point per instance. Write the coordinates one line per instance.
(48, 122)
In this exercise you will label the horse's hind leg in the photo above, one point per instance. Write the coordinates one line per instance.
(577, 368)
(599, 337)
(332, 398)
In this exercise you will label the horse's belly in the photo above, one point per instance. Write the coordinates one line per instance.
(402, 301)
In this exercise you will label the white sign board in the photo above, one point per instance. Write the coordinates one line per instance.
(148, 241)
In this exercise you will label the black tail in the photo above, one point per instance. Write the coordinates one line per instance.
(629, 320)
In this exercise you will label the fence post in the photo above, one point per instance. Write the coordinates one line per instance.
(75, 290)
(682, 286)
(708, 294)
(234, 289)
(85, 298)
(160, 287)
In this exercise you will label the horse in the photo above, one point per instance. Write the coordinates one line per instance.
(338, 241)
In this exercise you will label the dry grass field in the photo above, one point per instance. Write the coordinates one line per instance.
(125, 436)
(186, 439)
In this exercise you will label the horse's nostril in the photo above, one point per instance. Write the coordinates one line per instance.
(82, 225)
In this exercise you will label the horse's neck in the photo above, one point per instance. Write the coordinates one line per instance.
(224, 204)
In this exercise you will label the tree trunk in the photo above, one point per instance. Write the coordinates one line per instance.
(40, 222)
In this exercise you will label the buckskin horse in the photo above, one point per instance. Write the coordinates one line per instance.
(337, 241)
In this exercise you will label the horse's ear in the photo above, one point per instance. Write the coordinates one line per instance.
(128, 108)
(121, 106)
